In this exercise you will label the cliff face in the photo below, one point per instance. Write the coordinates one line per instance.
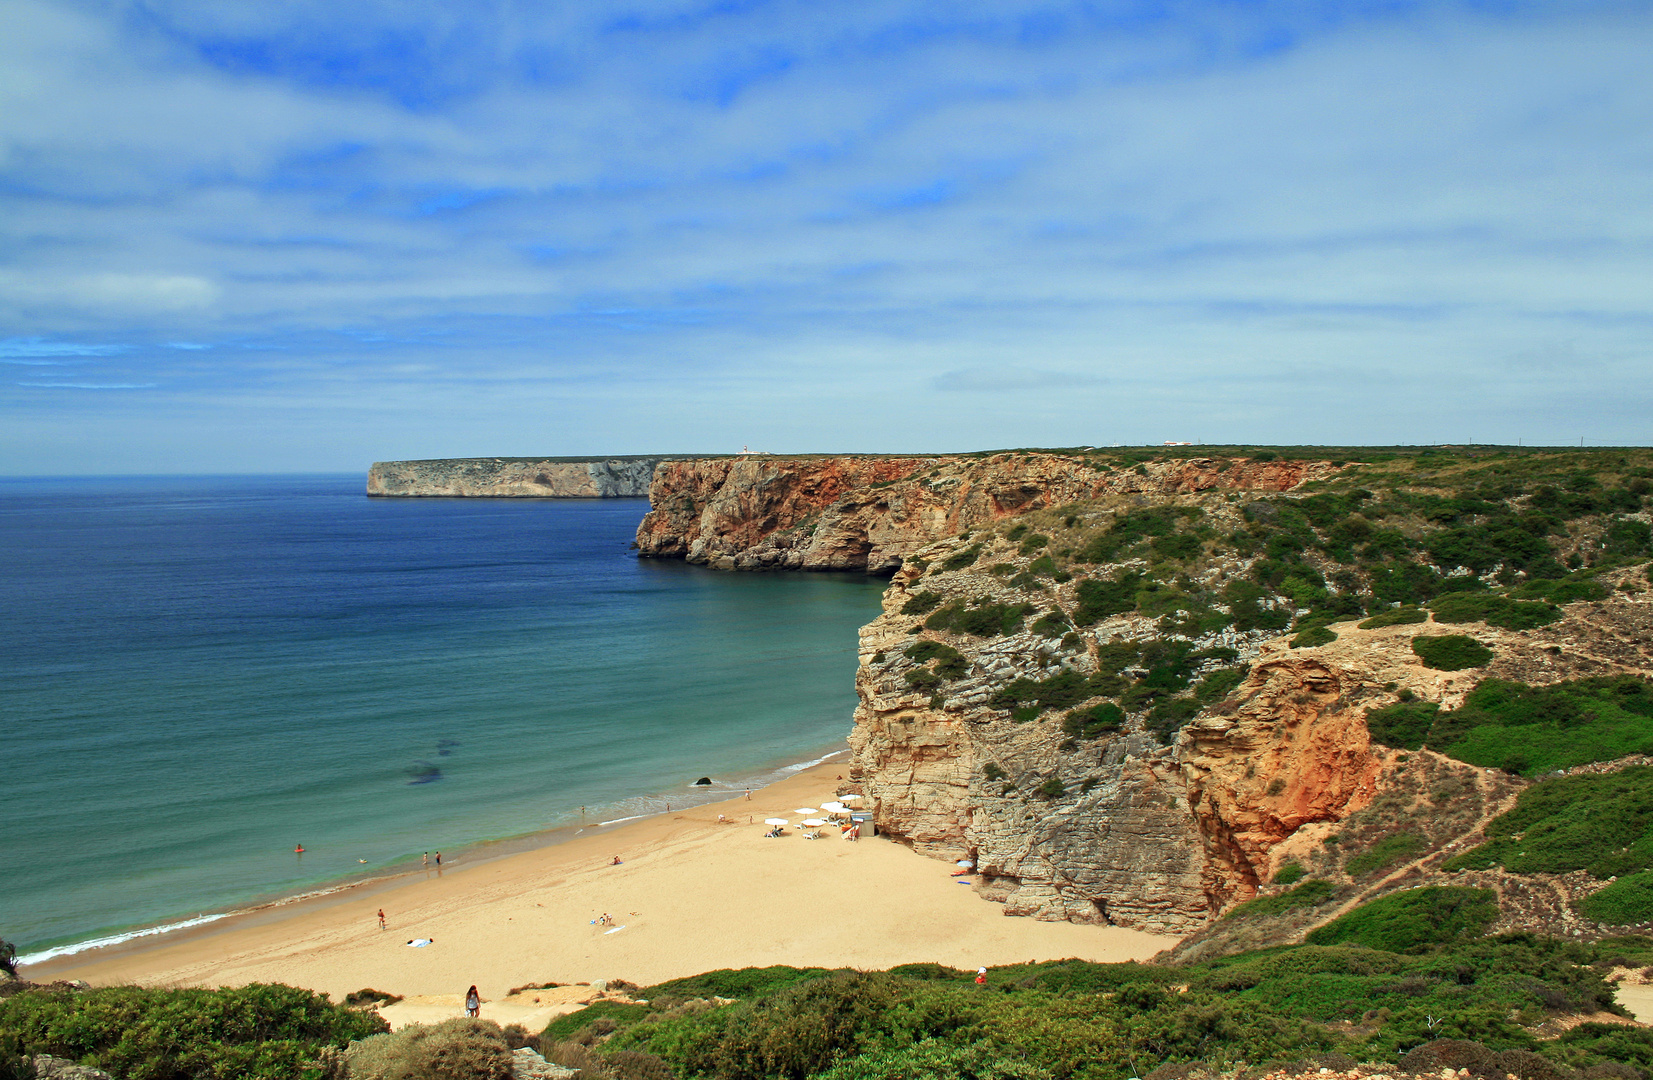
(512, 478)
(982, 737)
(869, 513)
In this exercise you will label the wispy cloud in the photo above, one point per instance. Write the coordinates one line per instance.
(90, 386)
(687, 224)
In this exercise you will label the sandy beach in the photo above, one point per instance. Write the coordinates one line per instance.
(691, 894)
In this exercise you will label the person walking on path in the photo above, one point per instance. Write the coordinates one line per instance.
(382, 919)
(473, 1002)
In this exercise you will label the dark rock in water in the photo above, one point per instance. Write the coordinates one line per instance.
(704, 781)
(444, 747)
(423, 772)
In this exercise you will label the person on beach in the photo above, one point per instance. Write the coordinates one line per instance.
(981, 976)
(425, 859)
(382, 919)
(473, 1002)
(616, 861)
(438, 860)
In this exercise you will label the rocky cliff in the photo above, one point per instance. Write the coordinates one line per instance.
(868, 513)
(1136, 707)
(513, 478)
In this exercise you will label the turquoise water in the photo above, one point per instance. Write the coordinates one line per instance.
(202, 673)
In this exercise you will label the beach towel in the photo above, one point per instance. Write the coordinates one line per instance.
(616, 930)
(419, 943)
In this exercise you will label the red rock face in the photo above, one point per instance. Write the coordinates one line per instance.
(858, 513)
(1292, 753)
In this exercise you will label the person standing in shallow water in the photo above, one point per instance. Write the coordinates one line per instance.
(473, 1002)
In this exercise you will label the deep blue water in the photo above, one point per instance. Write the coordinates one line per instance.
(201, 673)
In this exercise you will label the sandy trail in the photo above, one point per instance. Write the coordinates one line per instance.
(692, 894)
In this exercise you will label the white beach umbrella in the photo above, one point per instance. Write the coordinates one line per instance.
(774, 821)
(814, 822)
(806, 810)
(833, 807)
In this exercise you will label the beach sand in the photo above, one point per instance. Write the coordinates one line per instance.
(690, 895)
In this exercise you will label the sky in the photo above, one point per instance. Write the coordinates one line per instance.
(304, 236)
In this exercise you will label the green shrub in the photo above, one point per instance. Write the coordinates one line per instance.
(1625, 902)
(921, 603)
(935, 1059)
(1100, 598)
(951, 663)
(1314, 635)
(1311, 893)
(1404, 725)
(991, 771)
(986, 619)
(1398, 617)
(1289, 874)
(1547, 727)
(922, 679)
(1050, 625)
(1451, 652)
(457, 1049)
(1601, 824)
(748, 982)
(1094, 722)
(958, 560)
(1414, 919)
(258, 1031)
(1462, 607)
(1052, 788)
(1383, 854)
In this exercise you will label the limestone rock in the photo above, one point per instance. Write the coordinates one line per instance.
(527, 1064)
(869, 514)
(47, 1067)
(509, 478)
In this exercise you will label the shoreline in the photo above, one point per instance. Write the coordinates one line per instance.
(466, 855)
(691, 893)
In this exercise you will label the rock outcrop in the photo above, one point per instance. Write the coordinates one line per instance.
(1138, 825)
(513, 478)
(869, 513)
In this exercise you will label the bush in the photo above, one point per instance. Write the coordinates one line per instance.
(1402, 726)
(1625, 902)
(1311, 893)
(1314, 635)
(1289, 873)
(1547, 727)
(921, 603)
(1451, 652)
(1414, 919)
(958, 560)
(1462, 607)
(986, 619)
(369, 996)
(1099, 598)
(1383, 854)
(1095, 721)
(1601, 824)
(1052, 788)
(258, 1031)
(457, 1049)
(935, 1059)
(1399, 617)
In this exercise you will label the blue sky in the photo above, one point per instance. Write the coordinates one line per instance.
(304, 236)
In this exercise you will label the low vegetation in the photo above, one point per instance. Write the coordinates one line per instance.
(1530, 730)
(136, 1033)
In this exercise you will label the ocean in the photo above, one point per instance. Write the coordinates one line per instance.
(201, 674)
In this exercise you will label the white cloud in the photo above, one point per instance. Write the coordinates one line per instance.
(743, 211)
